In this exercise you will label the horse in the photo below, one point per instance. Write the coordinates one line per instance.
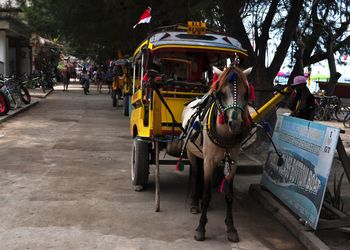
(225, 122)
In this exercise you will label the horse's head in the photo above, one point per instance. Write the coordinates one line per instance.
(232, 93)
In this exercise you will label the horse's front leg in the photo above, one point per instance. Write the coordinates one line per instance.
(232, 234)
(197, 186)
(196, 181)
(200, 231)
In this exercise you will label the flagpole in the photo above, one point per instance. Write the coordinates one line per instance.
(149, 36)
(146, 18)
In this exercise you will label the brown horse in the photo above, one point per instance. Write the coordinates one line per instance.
(225, 123)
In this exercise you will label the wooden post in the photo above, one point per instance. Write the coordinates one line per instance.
(157, 177)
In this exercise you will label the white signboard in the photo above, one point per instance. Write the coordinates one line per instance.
(307, 150)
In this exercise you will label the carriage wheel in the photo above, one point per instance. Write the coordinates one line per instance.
(139, 162)
(126, 105)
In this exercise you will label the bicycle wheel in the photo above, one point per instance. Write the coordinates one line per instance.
(25, 96)
(42, 85)
(341, 112)
(15, 101)
(319, 113)
(4, 103)
(346, 121)
(327, 114)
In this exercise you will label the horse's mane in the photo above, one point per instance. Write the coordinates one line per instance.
(222, 80)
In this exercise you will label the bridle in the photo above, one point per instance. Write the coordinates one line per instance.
(232, 79)
(218, 109)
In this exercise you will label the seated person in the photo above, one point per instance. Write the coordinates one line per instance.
(302, 102)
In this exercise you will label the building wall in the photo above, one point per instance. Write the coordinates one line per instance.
(25, 61)
(11, 62)
(3, 52)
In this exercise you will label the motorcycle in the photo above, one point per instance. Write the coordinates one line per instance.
(4, 103)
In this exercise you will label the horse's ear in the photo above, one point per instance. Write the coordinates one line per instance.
(248, 71)
(217, 71)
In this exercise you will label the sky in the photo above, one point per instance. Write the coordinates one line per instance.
(12, 3)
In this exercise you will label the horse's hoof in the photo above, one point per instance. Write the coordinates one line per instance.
(194, 210)
(199, 236)
(233, 236)
(139, 188)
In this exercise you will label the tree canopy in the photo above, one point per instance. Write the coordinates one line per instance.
(307, 31)
(93, 28)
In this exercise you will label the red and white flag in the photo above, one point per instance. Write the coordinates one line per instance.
(145, 17)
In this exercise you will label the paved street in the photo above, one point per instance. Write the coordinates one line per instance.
(65, 184)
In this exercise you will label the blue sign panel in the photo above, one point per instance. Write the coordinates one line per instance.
(307, 150)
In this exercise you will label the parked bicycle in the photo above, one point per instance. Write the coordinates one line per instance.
(24, 93)
(36, 80)
(15, 91)
(346, 121)
(330, 108)
(12, 93)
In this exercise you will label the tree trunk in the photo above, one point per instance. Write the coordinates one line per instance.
(263, 82)
(298, 68)
(332, 68)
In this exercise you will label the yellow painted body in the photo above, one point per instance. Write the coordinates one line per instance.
(123, 83)
(159, 119)
(272, 103)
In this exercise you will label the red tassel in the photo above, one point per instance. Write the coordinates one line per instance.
(222, 118)
(177, 164)
(251, 93)
(214, 86)
(247, 121)
(222, 186)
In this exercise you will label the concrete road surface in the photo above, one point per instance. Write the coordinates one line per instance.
(65, 184)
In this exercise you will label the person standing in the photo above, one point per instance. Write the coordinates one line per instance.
(109, 78)
(302, 102)
(85, 81)
(66, 76)
(99, 78)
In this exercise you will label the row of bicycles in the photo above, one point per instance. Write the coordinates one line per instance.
(14, 89)
(331, 108)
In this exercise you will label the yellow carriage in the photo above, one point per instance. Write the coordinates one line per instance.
(122, 85)
(172, 66)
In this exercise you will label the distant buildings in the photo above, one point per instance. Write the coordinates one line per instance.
(15, 47)
(20, 50)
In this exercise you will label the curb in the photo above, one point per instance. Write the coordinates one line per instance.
(13, 113)
(286, 218)
(41, 96)
(248, 164)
